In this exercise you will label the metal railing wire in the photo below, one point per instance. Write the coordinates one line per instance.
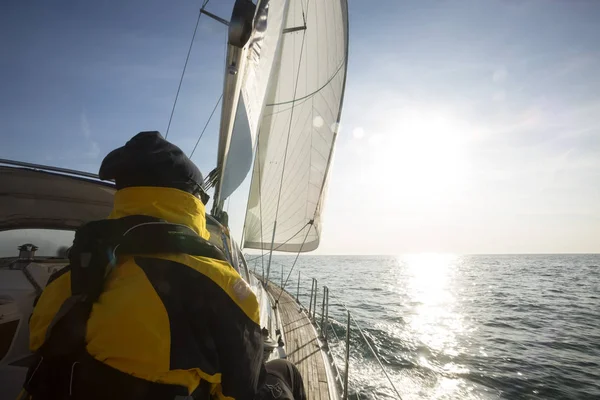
(322, 322)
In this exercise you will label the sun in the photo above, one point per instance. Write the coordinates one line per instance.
(420, 155)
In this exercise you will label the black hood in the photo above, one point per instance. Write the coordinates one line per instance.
(150, 160)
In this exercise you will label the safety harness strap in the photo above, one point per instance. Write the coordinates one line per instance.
(63, 369)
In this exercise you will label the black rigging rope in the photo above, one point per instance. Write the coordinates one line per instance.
(206, 125)
(185, 67)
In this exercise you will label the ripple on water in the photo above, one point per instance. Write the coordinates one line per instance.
(472, 327)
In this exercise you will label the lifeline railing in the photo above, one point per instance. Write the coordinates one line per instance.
(321, 322)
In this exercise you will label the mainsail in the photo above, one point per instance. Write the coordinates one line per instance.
(248, 85)
(298, 129)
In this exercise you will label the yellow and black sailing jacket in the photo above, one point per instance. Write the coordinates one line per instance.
(168, 318)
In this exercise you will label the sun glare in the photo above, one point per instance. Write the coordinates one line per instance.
(422, 154)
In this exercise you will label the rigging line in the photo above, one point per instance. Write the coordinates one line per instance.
(292, 194)
(269, 205)
(290, 124)
(251, 226)
(262, 251)
(278, 247)
(302, 7)
(376, 357)
(271, 202)
(312, 130)
(294, 264)
(185, 66)
(282, 244)
(303, 14)
(206, 125)
(297, 211)
(373, 351)
(286, 151)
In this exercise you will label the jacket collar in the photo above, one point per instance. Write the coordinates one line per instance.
(172, 205)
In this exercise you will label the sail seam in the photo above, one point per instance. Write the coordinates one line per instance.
(343, 63)
(298, 161)
(335, 133)
(294, 152)
(290, 126)
(280, 245)
(270, 87)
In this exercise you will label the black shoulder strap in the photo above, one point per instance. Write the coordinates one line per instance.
(163, 237)
(98, 244)
(95, 250)
(96, 247)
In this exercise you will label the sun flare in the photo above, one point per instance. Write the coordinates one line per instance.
(422, 154)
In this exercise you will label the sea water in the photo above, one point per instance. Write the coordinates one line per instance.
(460, 327)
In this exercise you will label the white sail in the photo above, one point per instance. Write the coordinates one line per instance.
(298, 129)
(259, 56)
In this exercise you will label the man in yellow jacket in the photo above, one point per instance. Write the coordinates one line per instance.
(163, 324)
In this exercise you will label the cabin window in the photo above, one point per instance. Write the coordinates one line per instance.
(49, 242)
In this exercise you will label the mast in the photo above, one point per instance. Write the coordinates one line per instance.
(240, 30)
(252, 57)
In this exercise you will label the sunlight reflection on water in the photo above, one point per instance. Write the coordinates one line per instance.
(465, 327)
(434, 319)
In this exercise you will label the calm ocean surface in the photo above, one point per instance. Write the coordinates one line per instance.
(465, 327)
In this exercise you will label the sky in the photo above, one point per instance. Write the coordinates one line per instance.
(468, 126)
